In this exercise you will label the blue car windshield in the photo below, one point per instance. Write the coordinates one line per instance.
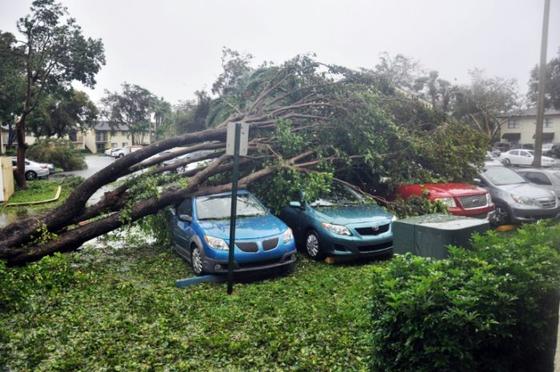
(339, 195)
(219, 207)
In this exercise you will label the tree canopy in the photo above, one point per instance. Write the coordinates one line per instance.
(53, 54)
(309, 122)
(552, 85)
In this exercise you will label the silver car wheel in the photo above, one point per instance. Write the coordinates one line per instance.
(196, 260)
(312, 245)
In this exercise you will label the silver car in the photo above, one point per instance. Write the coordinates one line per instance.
(548, 179)
(516, 199)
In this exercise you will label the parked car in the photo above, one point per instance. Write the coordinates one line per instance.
(34, 170)
(461, 199)
(109, 152)
(122, 151)
(491, 160)
(523, 157)
(192, 155)
(341, 222)
(548, 179)
(200, 230)
(516, 199)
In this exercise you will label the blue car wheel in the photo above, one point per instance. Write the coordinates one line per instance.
(196, 260)
(313, 246)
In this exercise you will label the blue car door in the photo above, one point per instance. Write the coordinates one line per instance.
(182, 228)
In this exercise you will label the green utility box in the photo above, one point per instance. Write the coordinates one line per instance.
(429, 235)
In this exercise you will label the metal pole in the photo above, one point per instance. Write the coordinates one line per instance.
(542, 78)
(233, 208)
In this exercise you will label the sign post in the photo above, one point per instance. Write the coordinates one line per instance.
(236, 145)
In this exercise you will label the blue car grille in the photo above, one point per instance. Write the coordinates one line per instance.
(374, 230)
(247, 246)
(270, 244)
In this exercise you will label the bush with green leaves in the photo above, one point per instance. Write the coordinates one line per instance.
(490, 308)
(59, 152)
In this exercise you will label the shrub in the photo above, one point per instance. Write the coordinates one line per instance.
(52, 273)
(60, 152)
(492, 308)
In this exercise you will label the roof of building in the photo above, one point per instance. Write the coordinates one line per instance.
(105, 126)
(530, 112)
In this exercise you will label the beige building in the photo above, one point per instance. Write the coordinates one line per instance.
(95, 140)
(519, 128)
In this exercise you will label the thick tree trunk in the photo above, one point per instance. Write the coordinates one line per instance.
(21, 147)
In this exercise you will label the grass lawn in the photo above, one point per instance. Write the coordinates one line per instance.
(42, 190)
(125, 313)
(37, 190)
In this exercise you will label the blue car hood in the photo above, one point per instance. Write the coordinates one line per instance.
(247, 228)
(353, 214)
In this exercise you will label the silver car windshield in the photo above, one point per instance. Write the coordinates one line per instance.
(502, 176)
(219, 207)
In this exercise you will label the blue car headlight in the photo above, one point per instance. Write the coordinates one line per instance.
(216, 243)
(336, 229)
(288, 236)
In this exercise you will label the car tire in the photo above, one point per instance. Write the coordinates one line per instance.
(196, 260)
(313, 246)
(501, 216)
(506, 162)
(30, 175)
(120, 156)
(289, 268)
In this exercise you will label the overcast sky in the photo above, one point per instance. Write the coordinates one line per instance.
(173, 47)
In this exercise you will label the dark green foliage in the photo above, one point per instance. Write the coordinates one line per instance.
(59, 152)
(63, 113)
(492, 308)
(287, 184)
(121, 311)
(552, 84)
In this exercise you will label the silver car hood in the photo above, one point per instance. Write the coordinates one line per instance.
(527, 190)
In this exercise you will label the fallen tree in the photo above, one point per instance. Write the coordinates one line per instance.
(304, 116)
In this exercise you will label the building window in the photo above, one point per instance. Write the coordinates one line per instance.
(114, 145)
(512, 123)
(124, 144)
(101, 136)
(547, 122)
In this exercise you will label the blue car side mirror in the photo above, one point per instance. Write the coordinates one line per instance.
(295, 204)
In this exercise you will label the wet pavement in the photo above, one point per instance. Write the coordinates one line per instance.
(94, 163)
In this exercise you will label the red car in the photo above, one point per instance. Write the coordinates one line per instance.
(461, 199)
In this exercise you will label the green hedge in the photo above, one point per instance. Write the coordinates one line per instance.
(59, 152)
(491, 308)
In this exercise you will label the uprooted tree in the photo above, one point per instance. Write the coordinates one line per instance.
(306, 120)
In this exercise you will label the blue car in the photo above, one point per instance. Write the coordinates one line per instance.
(200, 229)
(342, 222)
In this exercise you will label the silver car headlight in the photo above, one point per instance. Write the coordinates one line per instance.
(448, 202)
(336, 229)
(216, 243)
(523, 200)
(288, 236)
